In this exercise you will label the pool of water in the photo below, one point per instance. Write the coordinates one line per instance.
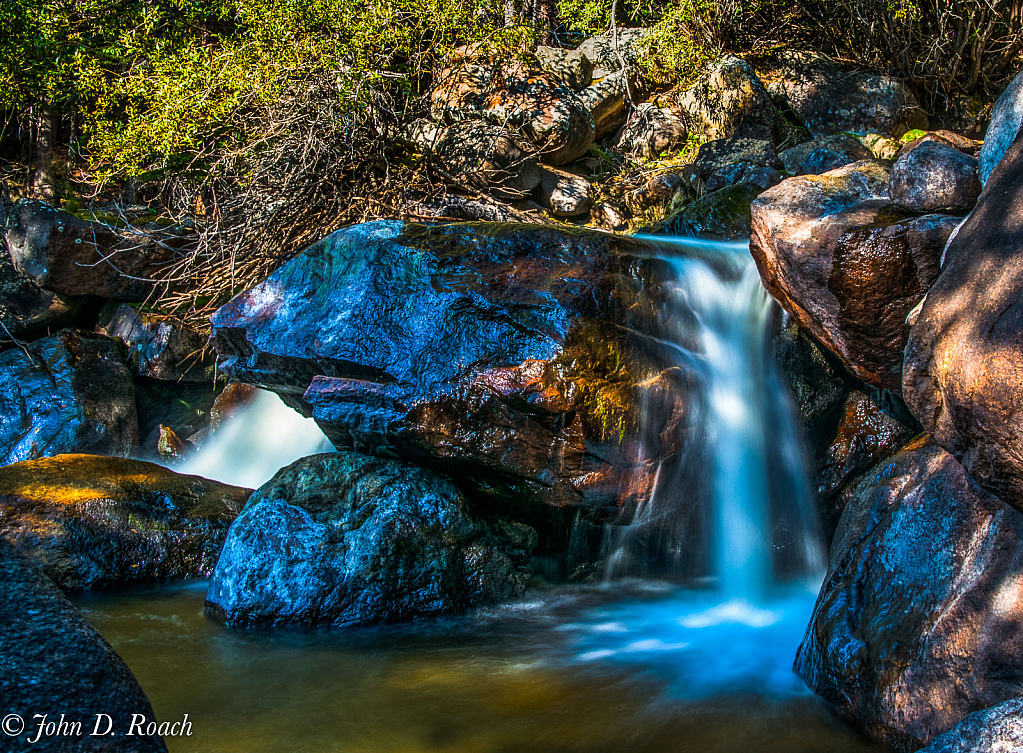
(624, 667)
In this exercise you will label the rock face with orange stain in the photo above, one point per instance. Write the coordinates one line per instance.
(504, 355)
(88, 521)
(917, 623)
(848, 264)
(53, 662)
(536, 106)
(964, 360)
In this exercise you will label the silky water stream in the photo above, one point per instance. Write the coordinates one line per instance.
(687, 644)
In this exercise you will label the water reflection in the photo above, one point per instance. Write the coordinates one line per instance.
(643, 667)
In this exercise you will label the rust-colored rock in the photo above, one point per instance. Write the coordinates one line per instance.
(964, 360)
(917, 623)
(89, 521)
(865, 436)
(847, 263)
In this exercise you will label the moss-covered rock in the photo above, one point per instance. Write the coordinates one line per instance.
(90, 521)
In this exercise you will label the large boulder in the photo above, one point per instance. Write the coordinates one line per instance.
(964, 360)
(346, 539)
(564, 193)
(830, 100)
(492, 352)
(73, 257)
(935, 177)
(535, 104)
(917, 622)
(729, 100)
(998, 729)
(488, 158)
(70, 392)
(54, 663)
(89, 521)
(1006, 118)
(605, 101)
(847, 263)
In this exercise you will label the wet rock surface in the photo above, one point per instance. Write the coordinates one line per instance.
(847, 264)
(346, 539)
(935, 177)
(916, 625)
(70, 392)
(865, 436)
(158, 348)
(721, 215)
(490, 352)
(729, 100)
(535, 104)
(964, 359)
(53, 662)
(998, 729)
(89, 521)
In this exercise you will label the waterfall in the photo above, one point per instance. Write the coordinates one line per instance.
(733, 503)
(253, 444)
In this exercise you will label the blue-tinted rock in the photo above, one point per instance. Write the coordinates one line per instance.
(346, 539)
(1006, 117)
(493, 352)
(70, 392)
(53, 662)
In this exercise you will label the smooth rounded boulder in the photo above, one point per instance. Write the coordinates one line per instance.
(89, 521)
(935, 177)
(345, 539)
(53, 662)
(917, 622)
(70, 256)
(963, 376)
(847, 263)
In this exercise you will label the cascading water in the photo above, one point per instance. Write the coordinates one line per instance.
(645, 664)
(733, 503)
(250, 446)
